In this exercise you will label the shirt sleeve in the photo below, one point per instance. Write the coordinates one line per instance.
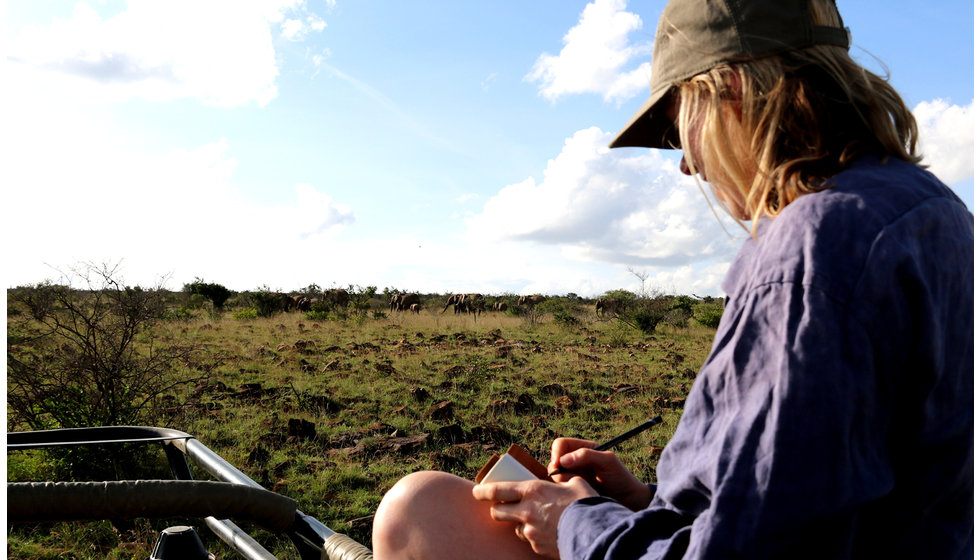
(602, 528)
(780, 442)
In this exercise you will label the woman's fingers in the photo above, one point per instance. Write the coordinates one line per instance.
(563, 446)
(534, 506)
(499, 492)
(519, 529)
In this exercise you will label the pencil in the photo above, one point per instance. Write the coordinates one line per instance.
(629, 434)
(620, 439)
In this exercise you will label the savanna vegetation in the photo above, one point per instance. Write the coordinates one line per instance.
(332, 404)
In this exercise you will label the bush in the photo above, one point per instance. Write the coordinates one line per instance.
(266, 303)
(564, 311)
(325, 315)
(40, 299)
(645, 320)
(622, 334)
(360, 298)
(215, 293)
(681, 310)
(246, 313)
(318, 315)
(708, 314)
(90, 360)
(685, 304)
(677, 318)
(646, 313)
(565, 318)
(178, 314)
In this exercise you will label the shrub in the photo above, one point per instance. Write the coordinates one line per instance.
(685, 304)
(40, 299)
(677, 318)
(318, 315)
(645, 320)
(565, 319)
(91, 360)
(312, 291)
(360, 298)
(177, 314)
(215, 293)
(196, 301)
(246, 313)
(560, 305)
(644, 313)
(265, 302)
(621, 335)
(708, 314)
(319, 306)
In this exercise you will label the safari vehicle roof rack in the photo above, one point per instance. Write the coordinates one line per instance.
(233, 496)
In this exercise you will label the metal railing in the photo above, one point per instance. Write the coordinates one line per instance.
(233, 496)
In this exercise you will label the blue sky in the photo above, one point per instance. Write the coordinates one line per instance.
(433, 146)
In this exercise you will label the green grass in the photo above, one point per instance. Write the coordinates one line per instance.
(363, 382)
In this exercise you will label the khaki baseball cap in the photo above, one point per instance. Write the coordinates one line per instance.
(694, 36)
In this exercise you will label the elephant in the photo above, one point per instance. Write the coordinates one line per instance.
(604, 304)
(287, 302)
(301, 303)
(415, 308)
(453, 300)
(463, 303)
(530, 301)
(336, 296)
(474, 305)
(500, 306)
(401, 302)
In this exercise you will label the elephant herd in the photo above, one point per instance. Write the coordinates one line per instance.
(405, 302)
(475, 304)
(335, 298)
(466, 303)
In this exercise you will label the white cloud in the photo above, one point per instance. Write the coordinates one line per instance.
(316, 213)
(595, 57)
(946, 137)
(221, 51)
(316, 23)
(296, 29)
(622, 207)
(292, 29)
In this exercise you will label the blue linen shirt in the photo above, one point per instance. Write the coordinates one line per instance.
(833, 417)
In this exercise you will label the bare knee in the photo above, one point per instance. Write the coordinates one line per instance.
(412, 507)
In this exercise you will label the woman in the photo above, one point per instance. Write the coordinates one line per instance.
(833, 417)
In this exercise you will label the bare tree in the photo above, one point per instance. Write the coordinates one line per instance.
(86, 355)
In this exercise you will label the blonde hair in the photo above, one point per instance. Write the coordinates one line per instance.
(796, 120)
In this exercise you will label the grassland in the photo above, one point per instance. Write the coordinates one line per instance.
(333, 412)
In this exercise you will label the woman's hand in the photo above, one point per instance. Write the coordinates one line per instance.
(572, 458)
(535, 506)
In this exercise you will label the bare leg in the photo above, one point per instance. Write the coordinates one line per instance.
(432, 515)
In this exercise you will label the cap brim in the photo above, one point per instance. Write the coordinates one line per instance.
(650, 127)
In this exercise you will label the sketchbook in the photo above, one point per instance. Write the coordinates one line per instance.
(515, 465)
